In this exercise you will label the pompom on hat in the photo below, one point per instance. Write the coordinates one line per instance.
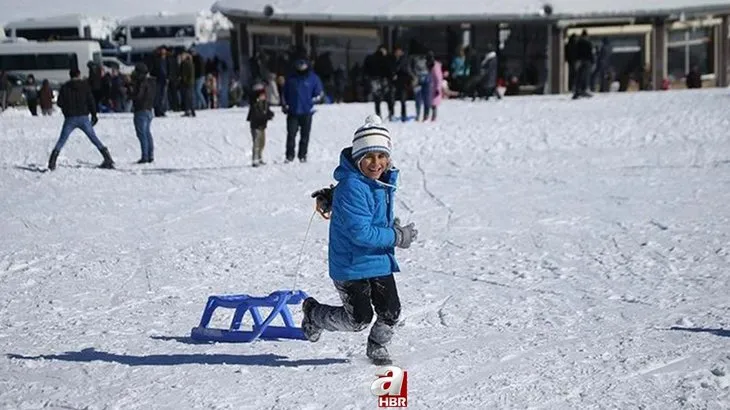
(371, 137)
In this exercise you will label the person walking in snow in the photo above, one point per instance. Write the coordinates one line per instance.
(77, 102)
(259, 114)
(363, 236)
(143, 100)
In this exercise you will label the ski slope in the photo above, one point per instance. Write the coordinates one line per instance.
(560, 242)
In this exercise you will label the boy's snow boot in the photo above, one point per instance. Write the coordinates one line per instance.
(52, 160)
(311, 332)
(378, 354)
(108, 162)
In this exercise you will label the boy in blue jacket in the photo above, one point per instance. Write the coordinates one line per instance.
(362, 240)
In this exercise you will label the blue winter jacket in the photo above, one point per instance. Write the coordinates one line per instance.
(300, 90)
(362, 238)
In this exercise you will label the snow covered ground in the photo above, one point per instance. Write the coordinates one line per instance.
(559, 243)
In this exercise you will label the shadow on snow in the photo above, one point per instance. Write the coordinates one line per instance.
(92, 355)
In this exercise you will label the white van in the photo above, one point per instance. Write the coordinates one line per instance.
(72, 26)
(150, 32)
(50, 60)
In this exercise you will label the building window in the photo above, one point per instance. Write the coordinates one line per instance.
(31, 62)
(687, 49)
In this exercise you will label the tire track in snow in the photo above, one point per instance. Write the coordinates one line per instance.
(434, 197)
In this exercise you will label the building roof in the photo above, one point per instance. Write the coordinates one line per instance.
(461, 10)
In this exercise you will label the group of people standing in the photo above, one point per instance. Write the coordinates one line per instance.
(586, 65)
(34, 96)
(392, 77)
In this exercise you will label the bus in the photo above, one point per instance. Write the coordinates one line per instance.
(50, 60)
(59, 28)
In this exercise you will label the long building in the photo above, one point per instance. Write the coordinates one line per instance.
(659, 39)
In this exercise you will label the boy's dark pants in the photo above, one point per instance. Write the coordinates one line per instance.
(294, 123)
(358, 299)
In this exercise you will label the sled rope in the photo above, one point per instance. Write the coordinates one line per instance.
(301, 251)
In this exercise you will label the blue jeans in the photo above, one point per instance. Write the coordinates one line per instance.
(199, 97)
(422, 95)
(84, 124)
(142, 123)
(161, 98)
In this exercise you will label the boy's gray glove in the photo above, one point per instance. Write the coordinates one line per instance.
(404, 235)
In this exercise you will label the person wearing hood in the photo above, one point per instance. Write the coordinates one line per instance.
(31, 94)
(488, 82)
(143, 102)
(77, 102)
(302, 90)
(363, 236)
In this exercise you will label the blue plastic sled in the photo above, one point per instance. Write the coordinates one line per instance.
(278, 301)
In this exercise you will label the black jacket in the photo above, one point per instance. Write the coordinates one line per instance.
(143, 98)
(259, 114)
(76, 100)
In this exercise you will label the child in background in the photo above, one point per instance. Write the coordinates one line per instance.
(362, 239)
(259, 114)
(211, 87)
(437, 93)
(46, 98)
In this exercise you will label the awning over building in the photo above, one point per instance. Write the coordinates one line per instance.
(462, 10)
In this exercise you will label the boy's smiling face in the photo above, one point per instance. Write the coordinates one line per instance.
(373, 164)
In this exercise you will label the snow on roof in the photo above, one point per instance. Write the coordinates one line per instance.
(62, 21)
(465, 10)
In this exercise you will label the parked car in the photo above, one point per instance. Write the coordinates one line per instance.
(16, 96)
(115, 63)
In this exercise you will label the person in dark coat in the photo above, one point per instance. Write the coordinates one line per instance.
(340, 81)
(324, 68)
(95, 74)
(188, 82)
(31, 94)
(173, 83)
(259, 114)
(5, 88)
(77, 102)
(143, 102)
(584, 50)
(378, 69)
(402, 79)
(572, 59)
(488, 82)
(694, 78)
(46, 98)
(603, 61)
(161, 72)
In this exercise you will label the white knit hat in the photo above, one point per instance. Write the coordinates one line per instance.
(371, 137)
